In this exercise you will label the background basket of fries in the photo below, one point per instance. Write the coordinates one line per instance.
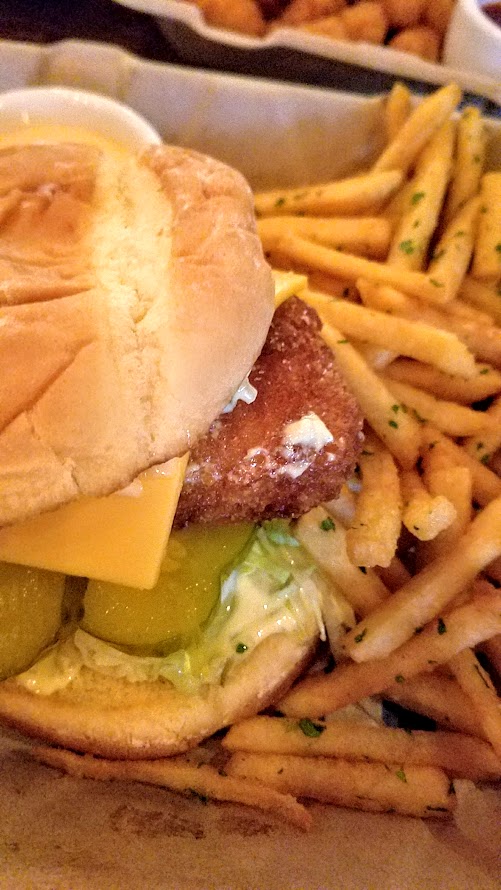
(361, 45)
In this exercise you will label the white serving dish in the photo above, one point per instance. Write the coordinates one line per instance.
(58, 832)
(35, 106)
(474, 40)
(291, 54)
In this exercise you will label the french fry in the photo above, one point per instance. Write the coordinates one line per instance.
(337, 614)
(414, 230)
(463, 627)
(477, 685)
(178, 774)
(484, 341)
(483, 446)
(424, 515)
(409, 790)
(487, 251)
(465, 311)
(470, 157)
(492, 648)
(372, 537)
(486, 485)
(454, 484)
(495, 462)
(483, 296)
(326, 541)
(459, 755)
(438, 697)
(394, 575)
(346, 265)
(368, 236)
(342, 507)
(397, 108)
(428, 593)
(287, 284)
(411, 338)
(493, 570)
(376, 357)
(342, 197)
(453, 252)
(486, 381)
(450, 418)
(401, 436)
(419, 127)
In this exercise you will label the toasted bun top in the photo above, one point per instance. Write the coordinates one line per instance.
(134, 299)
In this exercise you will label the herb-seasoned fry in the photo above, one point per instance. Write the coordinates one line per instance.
(396, 110)
(469, 163)
(429, 592)
(438, 697)
(486, 484)
(463, 627)
(325, 539)
(399, 431)
(179, 774)
(351, 267)
(413, 233)
(487, 252)
(372, 538)
(452, 419)
(482, 296)
(484, 446)
(424, 121)
(344, 197)
(376, 787)
(424, 342)
(452, 255)
(368, 236)
(477, 685)
(461, 756)
(455, 485)
(425, 515)
(485, 383)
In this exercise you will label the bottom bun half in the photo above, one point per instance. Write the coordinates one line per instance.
(116, 718)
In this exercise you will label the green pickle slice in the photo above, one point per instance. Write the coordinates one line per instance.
(30, 615)
(160, 620)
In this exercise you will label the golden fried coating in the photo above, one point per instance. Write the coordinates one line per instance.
(243, 16)
(299, 12)
(255, 462)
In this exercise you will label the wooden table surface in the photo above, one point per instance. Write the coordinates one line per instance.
(44, 21)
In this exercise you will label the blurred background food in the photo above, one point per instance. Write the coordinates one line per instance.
(413, 26)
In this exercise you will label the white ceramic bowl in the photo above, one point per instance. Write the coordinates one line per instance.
(473, 40)
(35, 106)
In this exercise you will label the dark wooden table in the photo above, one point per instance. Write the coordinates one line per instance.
(45, 21)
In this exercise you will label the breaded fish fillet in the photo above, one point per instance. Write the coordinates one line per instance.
(288, 450)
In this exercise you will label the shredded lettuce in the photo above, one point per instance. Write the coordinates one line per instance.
(269, 588)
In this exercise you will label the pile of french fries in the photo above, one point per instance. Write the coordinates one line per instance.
(403, 264)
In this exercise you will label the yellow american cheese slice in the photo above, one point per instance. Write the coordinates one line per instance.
(119, 538)
(287, 284)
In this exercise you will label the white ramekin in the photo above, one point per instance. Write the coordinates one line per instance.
(65, 106)
(473, 40)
